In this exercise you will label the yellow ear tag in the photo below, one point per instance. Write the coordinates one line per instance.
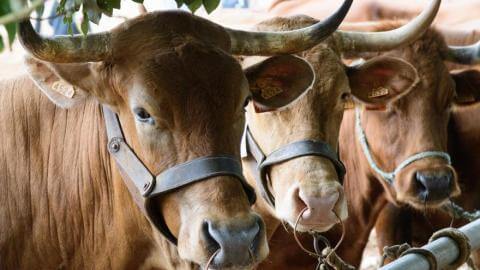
(63, 89)
(379, 92)
(268, 88)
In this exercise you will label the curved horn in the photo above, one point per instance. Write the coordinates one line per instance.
(65, 49)
(466, 55)
(388, 40)
(288, 42)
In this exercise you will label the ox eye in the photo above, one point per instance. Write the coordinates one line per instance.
(143, 116)
(345, 96)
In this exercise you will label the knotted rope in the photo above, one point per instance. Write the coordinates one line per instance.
(393, 252)
(457, 212)
(461, 240)
(327, 257)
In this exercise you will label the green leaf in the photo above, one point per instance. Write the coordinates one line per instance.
(210, 5)
(11, 28)
(179, 3)
(11, 31)
(138, 1)
(92, 10)
(4, 7)
(39, 10)
(115, 4)
(2, 46)
(84, 25)
(194, 5)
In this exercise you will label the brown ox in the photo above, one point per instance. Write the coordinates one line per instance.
(398, 125)
(312, 182)
(179, 95)
(318, 9)
(415, 227)
(452, 12)
(397, 225)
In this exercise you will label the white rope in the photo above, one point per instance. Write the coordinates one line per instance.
(390, 176)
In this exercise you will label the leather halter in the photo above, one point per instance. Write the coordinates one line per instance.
(143, 185)
(259, 162)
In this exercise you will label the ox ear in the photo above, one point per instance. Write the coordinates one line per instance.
(277, 81)
(381, 80)
(467, 86)
(66, 85)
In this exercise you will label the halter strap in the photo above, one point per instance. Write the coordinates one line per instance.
(143, 185)
(389, 177)
(259, 162)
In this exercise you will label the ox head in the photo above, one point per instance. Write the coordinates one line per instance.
(312, 182)
(179, 95)
(408, 124)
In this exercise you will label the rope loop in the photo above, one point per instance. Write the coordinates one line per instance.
(427, 254)
(393, 252)
(462, 242)
(397, 251)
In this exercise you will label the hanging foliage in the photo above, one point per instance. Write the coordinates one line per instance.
(92, 10)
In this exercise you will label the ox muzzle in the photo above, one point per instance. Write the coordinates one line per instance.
(143, 185)
(260, 163)
(433, 185)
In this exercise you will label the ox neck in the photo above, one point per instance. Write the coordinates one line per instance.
(389, 177)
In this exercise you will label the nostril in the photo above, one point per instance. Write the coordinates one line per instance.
(211, 244)
(321, 202)
(420, 180)
(434, 185)
(236, 243)
(299, 200)
(257, 239)
(449, 178)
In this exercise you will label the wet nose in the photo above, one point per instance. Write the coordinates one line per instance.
(237, 245)
(321, 207)
(434, 185)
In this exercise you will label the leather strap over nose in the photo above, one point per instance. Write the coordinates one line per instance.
(144, 186)
(260, 162)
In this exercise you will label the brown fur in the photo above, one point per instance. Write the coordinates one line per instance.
(414, 122)
(451, 13)
(63, 203)
(415, 227)
(316, 116)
